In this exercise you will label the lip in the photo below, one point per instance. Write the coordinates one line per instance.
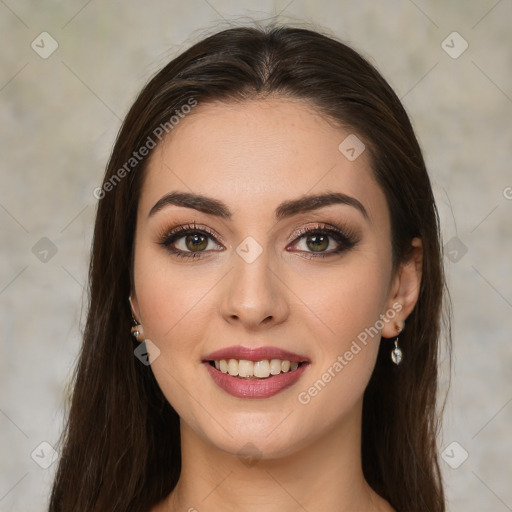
(254, 387)
(255, 354)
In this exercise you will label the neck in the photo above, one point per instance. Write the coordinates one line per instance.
(324, 475)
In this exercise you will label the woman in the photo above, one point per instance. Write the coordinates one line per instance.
(267, 231)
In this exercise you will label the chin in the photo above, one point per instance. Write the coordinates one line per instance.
(264, 437)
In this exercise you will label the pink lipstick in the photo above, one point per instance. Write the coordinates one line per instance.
(280, 369)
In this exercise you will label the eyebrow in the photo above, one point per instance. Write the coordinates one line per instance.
(286, 209)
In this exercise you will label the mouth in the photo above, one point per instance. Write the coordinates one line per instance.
(256, 370)
(255, 373)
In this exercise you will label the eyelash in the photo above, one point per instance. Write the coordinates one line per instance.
(346, 239)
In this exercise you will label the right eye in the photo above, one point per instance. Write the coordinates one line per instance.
(188, 241)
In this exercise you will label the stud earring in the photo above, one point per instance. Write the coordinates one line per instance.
(137, 329)
(396, 353)
(138, 332)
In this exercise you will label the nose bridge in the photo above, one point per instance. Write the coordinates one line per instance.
(254, 294)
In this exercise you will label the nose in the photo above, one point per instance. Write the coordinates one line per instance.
(254, 295)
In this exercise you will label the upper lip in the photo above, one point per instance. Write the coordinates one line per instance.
(255, 354)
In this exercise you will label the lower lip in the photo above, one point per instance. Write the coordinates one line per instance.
(254, 387)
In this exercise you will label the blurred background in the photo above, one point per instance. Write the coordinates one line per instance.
(69, 72)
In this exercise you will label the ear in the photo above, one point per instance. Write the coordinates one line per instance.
(404, 290)
(134, 306)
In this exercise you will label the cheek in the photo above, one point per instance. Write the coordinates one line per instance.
(173, 302)
(348, 301)
(348, 322)
(169, 294)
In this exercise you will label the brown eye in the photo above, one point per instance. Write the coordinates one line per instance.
(317, 243)
(323, 241)
(196, 242)
(189, 241)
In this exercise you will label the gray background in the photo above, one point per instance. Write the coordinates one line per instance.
(59, 117)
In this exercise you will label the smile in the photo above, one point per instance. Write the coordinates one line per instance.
(250, 372)
(243, 368)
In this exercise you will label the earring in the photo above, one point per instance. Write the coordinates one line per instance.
(396, 353)
(137, 329)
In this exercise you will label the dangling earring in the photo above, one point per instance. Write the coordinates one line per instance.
(396, 353)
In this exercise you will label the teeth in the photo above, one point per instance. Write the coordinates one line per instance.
(275, 366)
(245, 368)
(259, 369)
(233, 367)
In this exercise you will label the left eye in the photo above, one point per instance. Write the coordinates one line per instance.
(317, 241)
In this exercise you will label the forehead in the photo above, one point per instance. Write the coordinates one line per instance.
(258, 153)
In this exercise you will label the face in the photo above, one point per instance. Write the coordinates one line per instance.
(253, 268)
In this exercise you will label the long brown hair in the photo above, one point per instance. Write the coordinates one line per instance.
(120, 449)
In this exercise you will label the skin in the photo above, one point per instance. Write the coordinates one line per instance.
(252, 156)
